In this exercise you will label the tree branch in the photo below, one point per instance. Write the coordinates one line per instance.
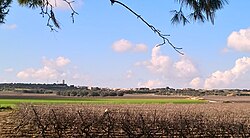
(158, 32)
(47, 9)
(72, 9)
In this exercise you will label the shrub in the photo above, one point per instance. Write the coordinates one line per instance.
(120, 93)
(94, 93)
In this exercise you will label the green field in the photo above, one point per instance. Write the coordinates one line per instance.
(13, 102)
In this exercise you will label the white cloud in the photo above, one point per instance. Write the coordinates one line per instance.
(129, 74)
(158, 63)
(163, 65)
(240, 41)
(58, 62)
(46, 73)
(61, 4)
(25, 74)
(62, 61)
(196, 83)
(150, 84)
(185, 68)
(39, 74)
(55, 70)
(9, 26)
(51, 70)
(140, 48)
(178, 73)
(231, 77)
(123, 45)
(8, 70)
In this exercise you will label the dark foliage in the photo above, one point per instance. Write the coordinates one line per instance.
(4, 9)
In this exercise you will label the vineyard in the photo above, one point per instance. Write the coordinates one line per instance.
(151, 120)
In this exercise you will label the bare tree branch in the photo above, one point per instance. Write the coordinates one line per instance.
(72, 9)
(47, 10)
(158, 32)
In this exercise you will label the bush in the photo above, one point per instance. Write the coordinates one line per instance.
(120, 93)
(2, 108)
(94, 93)
(104, 93)
(112, 93)
(83, 93)
(73, 93)
(58, 93)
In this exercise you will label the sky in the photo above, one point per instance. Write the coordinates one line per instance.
(107, 46)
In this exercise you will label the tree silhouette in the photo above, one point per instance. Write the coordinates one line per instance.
(4, 9)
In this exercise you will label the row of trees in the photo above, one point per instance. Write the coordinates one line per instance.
(90, 93)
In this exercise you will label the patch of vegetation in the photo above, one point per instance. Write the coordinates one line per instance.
(84, 91)
(5, 107)
(98, 101)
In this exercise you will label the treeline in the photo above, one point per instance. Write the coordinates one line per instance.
(202, 92)
(37, 91)
(13, 86)
(90, 93)
(65, 90)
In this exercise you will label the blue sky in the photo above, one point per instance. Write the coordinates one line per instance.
(109, 47)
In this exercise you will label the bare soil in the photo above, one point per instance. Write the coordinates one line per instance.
(6, 124)
(228, 99)
(14, 95)
(203, 120)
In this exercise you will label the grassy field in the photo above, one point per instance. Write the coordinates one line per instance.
(13, 102)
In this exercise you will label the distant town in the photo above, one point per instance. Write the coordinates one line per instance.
(70, 90)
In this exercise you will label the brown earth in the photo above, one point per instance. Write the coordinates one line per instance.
(14, 95)
(228, 99)
(209, 116)
(5, 124)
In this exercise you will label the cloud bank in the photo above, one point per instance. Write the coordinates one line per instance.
(231, 77)
(236, 77)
